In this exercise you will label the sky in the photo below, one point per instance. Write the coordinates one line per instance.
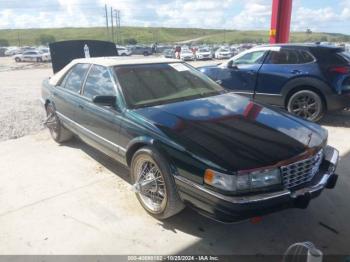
(318, 15)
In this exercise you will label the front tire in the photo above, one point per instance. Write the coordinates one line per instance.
(306, 104)
(58, 132)
(154, 184)
(17, 59)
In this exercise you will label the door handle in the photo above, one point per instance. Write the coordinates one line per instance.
(295, 71)
(219, 82)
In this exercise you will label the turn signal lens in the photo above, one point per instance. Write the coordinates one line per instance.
(220, 180)
(209, 176)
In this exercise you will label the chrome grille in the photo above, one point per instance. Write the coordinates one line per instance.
(302, 171)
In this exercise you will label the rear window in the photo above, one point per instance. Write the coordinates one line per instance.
(345, 56)
(333, 56)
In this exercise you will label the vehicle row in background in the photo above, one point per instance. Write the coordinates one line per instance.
(33, 56)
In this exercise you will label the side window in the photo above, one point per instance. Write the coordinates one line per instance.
(284, 57)
(98, 83)
(255, 57)
(75, 77)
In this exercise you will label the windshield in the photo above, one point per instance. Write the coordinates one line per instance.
(156, 84)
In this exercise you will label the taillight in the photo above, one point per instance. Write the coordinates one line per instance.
(340, 69)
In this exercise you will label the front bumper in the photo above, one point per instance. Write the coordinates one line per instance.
(234, 208)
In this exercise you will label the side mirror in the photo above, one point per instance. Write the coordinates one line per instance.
(105, 100)
(231, 65)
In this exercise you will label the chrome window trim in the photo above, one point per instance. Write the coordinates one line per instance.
(268, 94)
(89, 131)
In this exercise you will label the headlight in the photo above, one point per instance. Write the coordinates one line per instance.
(243, 181)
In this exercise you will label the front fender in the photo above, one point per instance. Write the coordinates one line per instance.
(181, 162)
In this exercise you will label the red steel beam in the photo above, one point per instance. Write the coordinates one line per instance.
(280, 21)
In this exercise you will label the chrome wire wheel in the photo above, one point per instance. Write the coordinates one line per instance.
(150, 186)
(306, 104)
(52, 122)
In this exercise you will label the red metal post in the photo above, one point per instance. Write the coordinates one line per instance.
(280, 21)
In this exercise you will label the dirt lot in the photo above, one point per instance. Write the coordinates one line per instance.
(74, 200)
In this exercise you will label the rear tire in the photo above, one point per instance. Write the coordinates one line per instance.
(159, 197)
(39, 60)
(306, 104)
(58, 132)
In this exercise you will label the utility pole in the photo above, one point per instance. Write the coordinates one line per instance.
(112, 25)
(107, 22)
(19, 39)
(117, 25)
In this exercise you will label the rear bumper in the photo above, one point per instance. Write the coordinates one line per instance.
(227, 209)
(223, 56)
(338, 102)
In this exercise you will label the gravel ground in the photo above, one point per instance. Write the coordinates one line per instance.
(8, 64)
(21, 112)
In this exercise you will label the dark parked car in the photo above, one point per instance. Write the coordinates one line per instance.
(186, 140)
(307, 80)
(141, 50)
(169, 53)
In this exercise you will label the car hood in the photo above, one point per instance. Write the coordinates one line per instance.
(233, 132)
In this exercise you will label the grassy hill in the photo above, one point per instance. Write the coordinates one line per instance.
(161, 35)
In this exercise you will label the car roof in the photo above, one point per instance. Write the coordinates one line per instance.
(109, 62)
